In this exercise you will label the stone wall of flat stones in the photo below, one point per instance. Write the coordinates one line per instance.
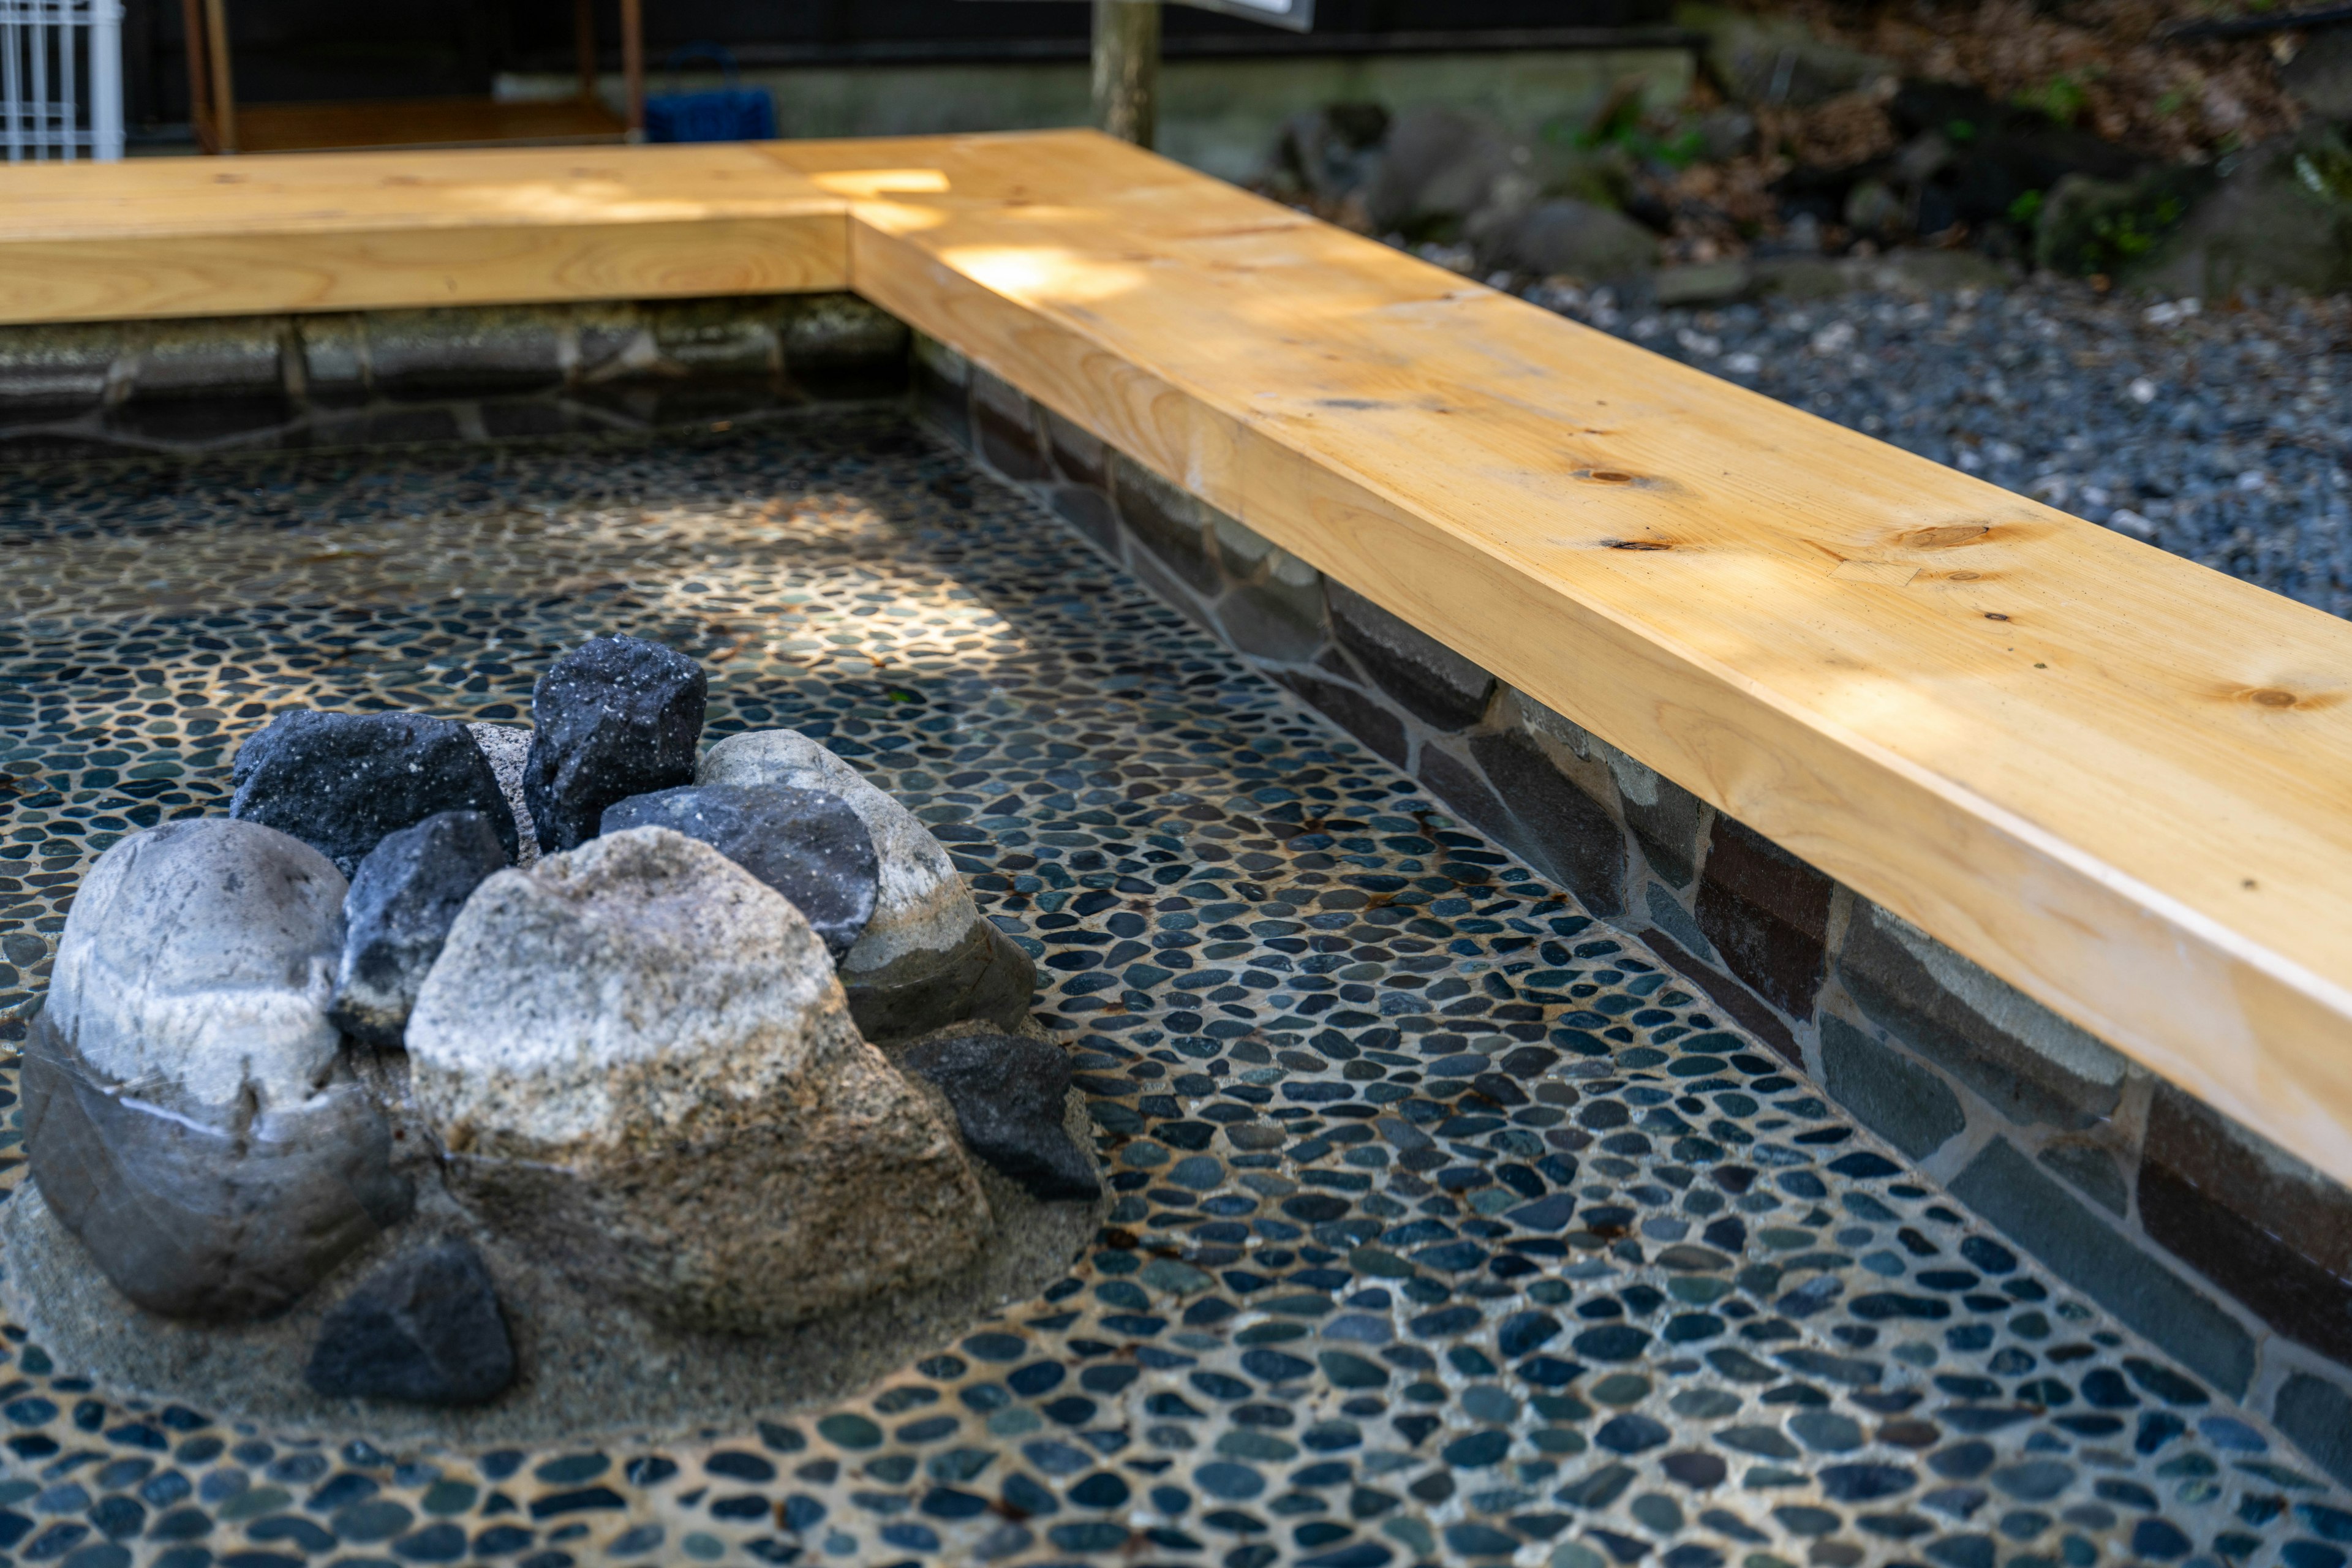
(2221, 1249)
(379, 377)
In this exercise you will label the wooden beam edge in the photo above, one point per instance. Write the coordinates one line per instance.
(2203, 1006)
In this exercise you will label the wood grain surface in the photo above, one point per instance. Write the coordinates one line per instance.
(2116, 779)
(383, 230)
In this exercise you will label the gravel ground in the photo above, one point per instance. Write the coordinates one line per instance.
(2222, 435)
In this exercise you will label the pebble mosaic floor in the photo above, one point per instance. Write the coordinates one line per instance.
(1449, 1228)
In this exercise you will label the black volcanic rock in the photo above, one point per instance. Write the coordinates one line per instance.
(340, 781)
(614, 717)
(1009, 1093)
(402, 900)
(425, 1328)
(806, 844)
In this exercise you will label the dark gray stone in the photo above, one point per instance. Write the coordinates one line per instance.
(2280, 218)
(1767, 912)
(2317, 1415)
(1565, 236)
(1435, 684)
(189, 1113)
(1677, 922)
(1088, 512)
(1078, 454)
(942, 388)
(225, 1223)
(340, 781)
(2031, 1209)
(1165, 521)
(1005, 433)
(425, 1328)
(1009, 1094)
(2092, 1172)
(1273, 621)
(1667, 821)
(614, 718)
(1440, 166)
(1901, 1101)
(806, 844)
(2029, 1064)
(402, 902)
(1569, 835)
(1353, 711)
(985, 978)
(2320, 76)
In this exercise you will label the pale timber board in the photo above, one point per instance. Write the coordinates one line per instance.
(153, 237)
(2116, 779)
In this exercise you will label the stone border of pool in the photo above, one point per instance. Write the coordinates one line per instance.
(2134, 1192)
(385, 378)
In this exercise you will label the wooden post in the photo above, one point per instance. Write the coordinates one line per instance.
(584, 43)
(224, 82)
(633, 64)
(200, 86)
(1127, 68)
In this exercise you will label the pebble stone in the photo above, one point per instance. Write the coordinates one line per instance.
(807, 844)
(425, 1328)
(1008, 1091)
(340, 781)
(402, 902)
(1450, 1226)
(614, 717)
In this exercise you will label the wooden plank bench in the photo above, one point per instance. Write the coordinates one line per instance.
(2116, 779)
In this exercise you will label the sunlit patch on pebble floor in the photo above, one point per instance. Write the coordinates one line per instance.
(1450, 1227)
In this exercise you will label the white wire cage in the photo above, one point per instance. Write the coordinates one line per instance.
(60, 79)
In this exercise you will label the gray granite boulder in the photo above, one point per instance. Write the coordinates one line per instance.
(188, 1111)
(425, 1329)
(645, 1075)
(926, 958)
(806, 844)
(507, 747)
(402, 902)
(340, 781)
(1010, 1093)
(614, 717)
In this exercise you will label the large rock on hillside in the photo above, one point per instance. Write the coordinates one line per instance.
(2280, 218)
(614, 717)
(398, 912)
(1566, 237)
(645, 1074)
(926, 958)
(188, 1114)
(806, 844)
(340, 781)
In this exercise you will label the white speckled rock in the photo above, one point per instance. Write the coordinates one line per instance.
(926, 958)
(188, 1111)
(507, 747)
(203, 953)
(644, 1070)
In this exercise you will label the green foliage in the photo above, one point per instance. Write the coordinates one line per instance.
(2120, 237)
(2325, 170)
(2062, 98)
(2026, 209)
